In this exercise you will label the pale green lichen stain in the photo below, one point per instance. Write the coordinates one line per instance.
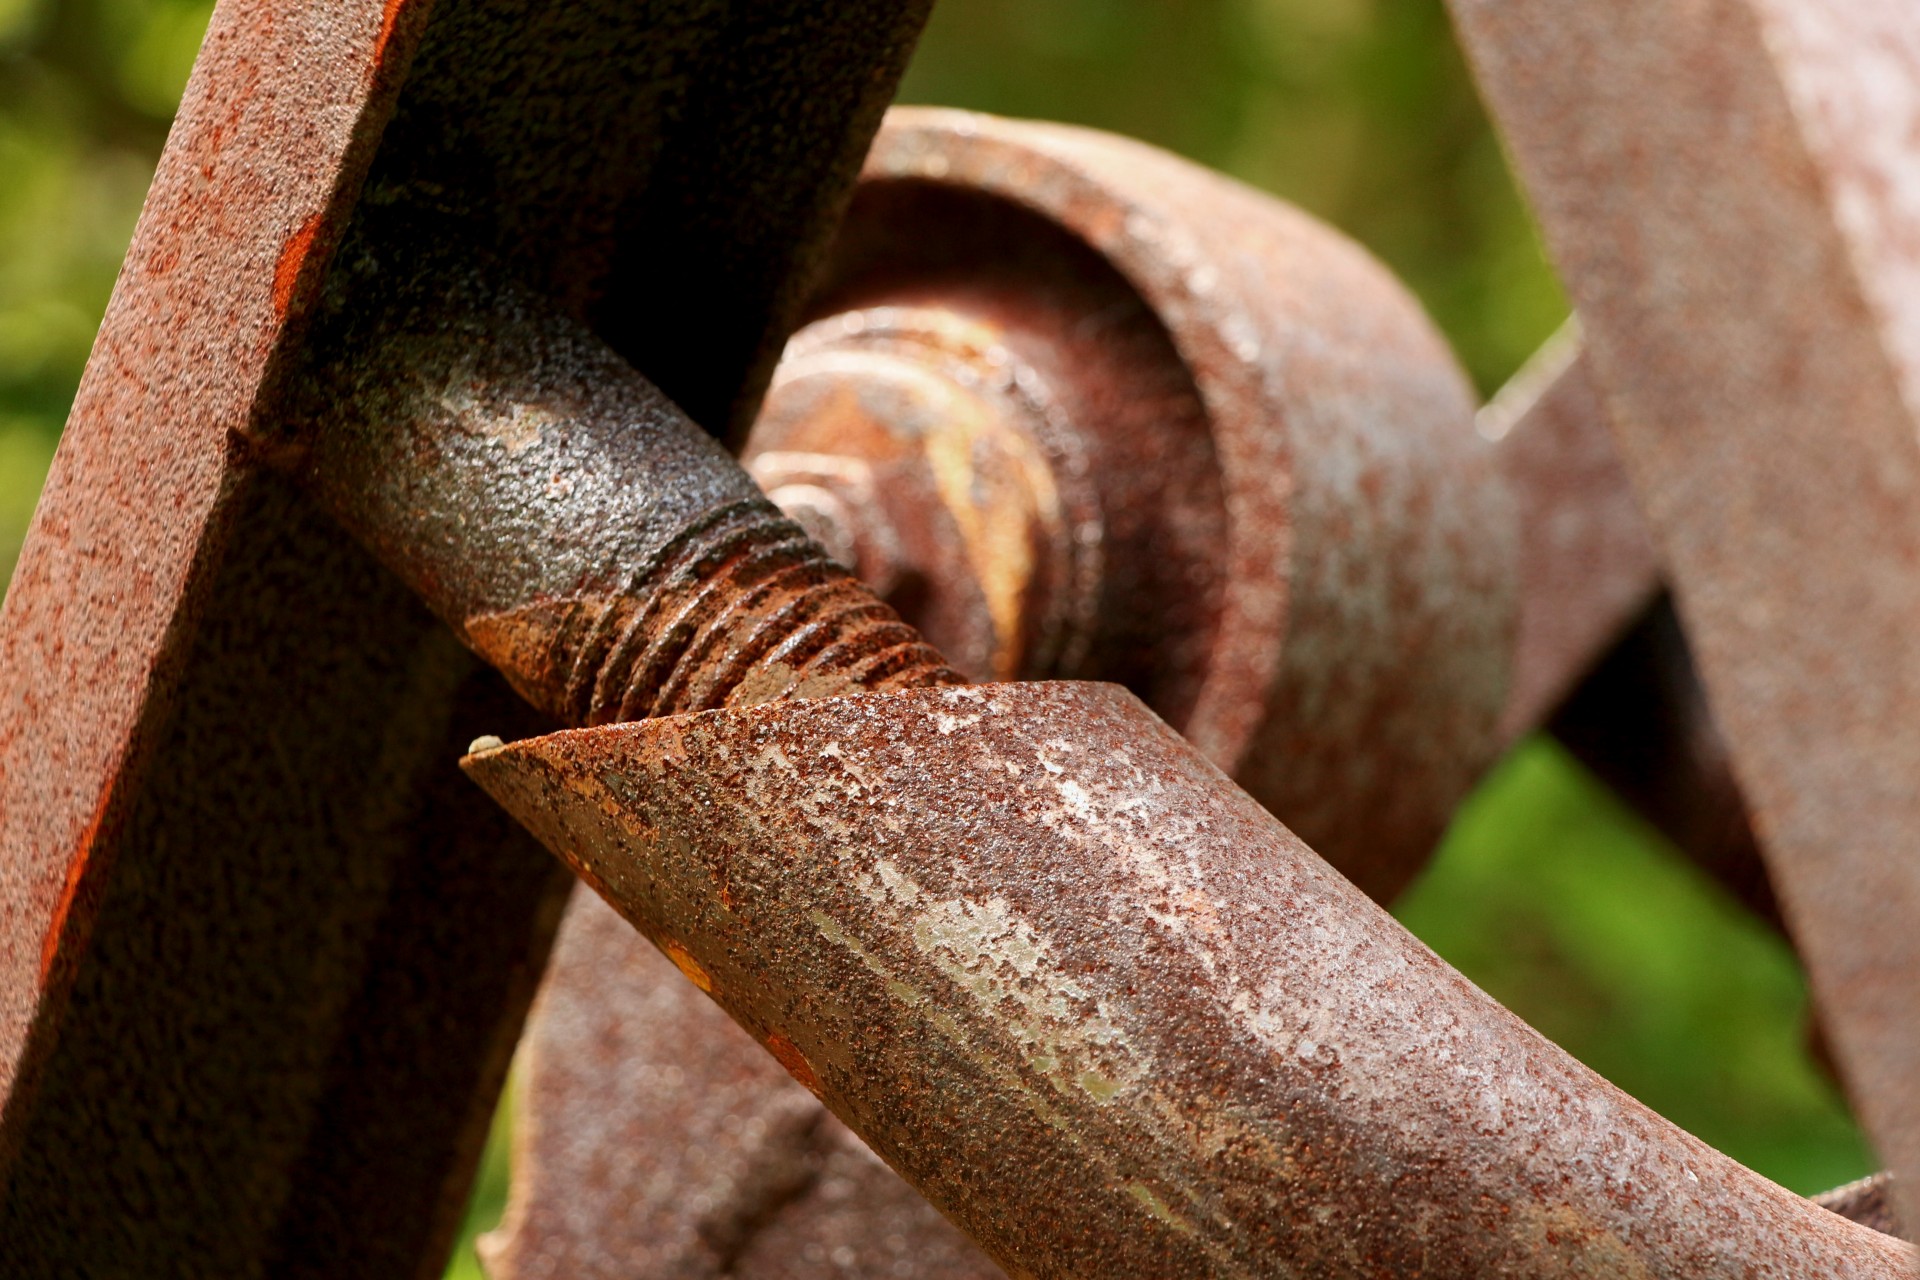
(1155, 1205)
(1006, 967)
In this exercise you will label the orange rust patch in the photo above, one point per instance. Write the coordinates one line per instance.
(70, 888)
(521, 643)
(164, 259)
(789, 1056)
(388, 17)
(293, 256)
(683, 961)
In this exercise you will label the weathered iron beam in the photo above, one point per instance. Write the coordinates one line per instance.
(1728, 189)
(261, 963)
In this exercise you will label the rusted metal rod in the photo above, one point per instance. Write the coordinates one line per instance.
(569, 523)
(1111, 1017)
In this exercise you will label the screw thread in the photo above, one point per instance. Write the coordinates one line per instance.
(741, 608)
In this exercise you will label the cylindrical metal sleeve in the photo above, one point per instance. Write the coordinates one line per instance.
(1112, 1017)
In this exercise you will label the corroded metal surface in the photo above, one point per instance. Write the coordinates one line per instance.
(223, 1030)
(90, 641)
(959, 478)
(656, 1139)
(988, 419)
(1868, 1201)
(932, 424)
(1113, 1018)
(1727, 187)
(928, 447)
(266, 957)
(571, 525)
(1265, 420)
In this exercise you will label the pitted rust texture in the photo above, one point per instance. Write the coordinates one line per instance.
(931, 445)
(91, 637)
(1050, 468)
(1726, 186)
(950, 427)
(571, 525)
(990, 420)
(906, 427)
(296, 1008)
(1266, 420)
(667, 1144)
(1112, 1017)
(908, 437)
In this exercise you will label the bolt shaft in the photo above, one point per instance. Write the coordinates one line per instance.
(742, 608)
(569, 522)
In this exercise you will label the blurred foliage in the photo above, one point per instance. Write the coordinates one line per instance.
(1547, 893)
(489, 1194)
(1570, 911)
(86, 91)
(1360, 111)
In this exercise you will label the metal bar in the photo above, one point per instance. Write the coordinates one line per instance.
(1726, 187)
(1113, 1018)
(570, 524)
(1587, 566)
(263, 961)
(1600, 660)
(655, 1138)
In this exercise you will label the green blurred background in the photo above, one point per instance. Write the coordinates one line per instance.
(1547, 893)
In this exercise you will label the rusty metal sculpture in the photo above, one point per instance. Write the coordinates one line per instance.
(606, 986)
(938, 343)
(1093, 1000)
